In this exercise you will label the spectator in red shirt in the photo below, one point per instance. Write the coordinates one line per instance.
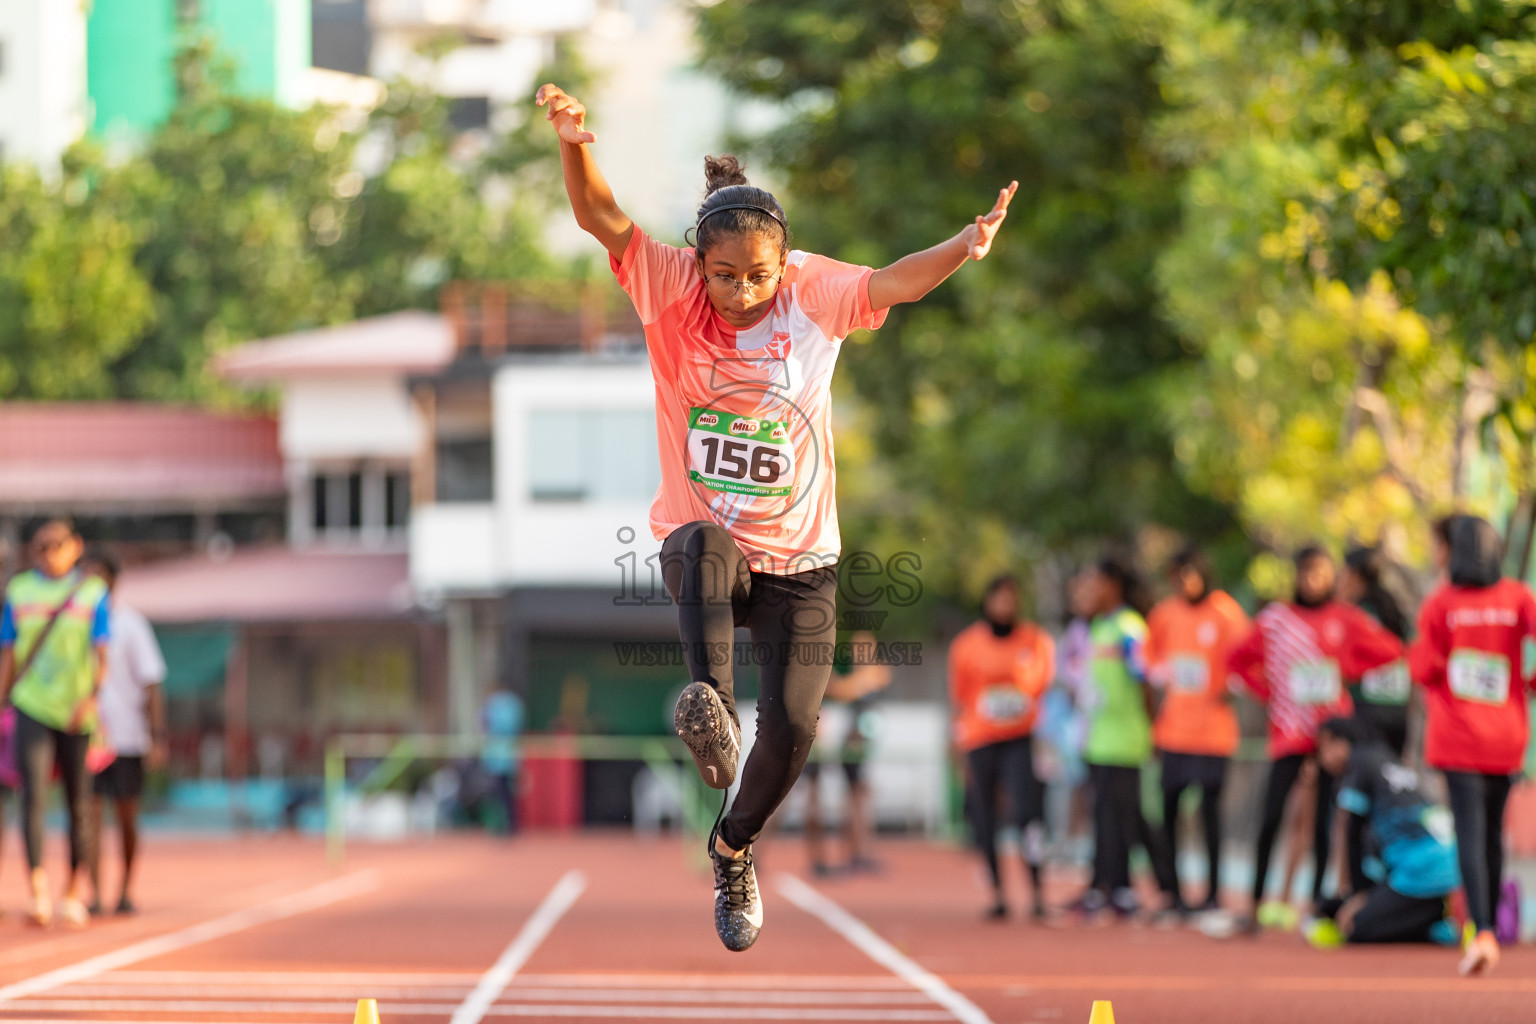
(1470, 659)
(1295, 661)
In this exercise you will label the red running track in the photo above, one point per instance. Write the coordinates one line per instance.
(593, 929)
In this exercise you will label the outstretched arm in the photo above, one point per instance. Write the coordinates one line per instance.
(591, 199)
(912, 277)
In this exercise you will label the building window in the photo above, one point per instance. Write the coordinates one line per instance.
(464, 469)
(319, 505)
(355, 501)
(598, 456)
(349, 501)
(397, 500)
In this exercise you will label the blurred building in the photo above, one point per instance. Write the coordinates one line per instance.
(131, 48)
(107, 66)
(154, 480)
(464, 495)
(43, 104)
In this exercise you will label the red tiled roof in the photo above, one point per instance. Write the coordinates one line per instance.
(134, 454)
(271, 584)
(410, 341)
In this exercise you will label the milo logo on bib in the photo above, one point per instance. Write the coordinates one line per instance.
(740, 454)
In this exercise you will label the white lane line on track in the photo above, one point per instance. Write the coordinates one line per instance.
(778, 982)
(296, 993)
(670, 1012)
(714, 1013)
(241, 920)
(466, 979)
(538, 926)
(864, 938)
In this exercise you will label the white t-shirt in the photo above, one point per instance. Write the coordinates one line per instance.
(134, 663)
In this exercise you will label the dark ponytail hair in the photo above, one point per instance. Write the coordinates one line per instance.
(733, 206)
(1477, 550)
(1357, 732)
(1372, 566)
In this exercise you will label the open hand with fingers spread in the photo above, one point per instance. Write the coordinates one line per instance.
(567, 114)
(980, 234)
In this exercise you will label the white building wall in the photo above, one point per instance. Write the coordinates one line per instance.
(42, 80)
(349, 418)
(565, 543)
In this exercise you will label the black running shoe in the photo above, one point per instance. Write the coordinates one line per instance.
(738, 908)
(710, 733)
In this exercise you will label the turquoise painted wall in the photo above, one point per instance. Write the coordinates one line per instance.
(132, 46)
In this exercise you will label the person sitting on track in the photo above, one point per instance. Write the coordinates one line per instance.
(1295, 661)
(1398, 893)
(743, 333)
(998, 670)
(1189, 635)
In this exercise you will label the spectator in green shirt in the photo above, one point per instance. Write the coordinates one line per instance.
(1115, 701)
(54, 628)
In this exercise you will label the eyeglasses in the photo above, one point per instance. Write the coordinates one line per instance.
(724, 286)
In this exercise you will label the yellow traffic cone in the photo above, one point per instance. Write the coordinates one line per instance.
(1102, 1013)
(368, 1012)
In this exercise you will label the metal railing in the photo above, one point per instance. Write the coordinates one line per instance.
(396, 755)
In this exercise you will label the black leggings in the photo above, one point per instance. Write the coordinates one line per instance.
(38, 749)
(1118, 824)
(1283, 774)
(1210, 823)
(793, 623)
(1389, 916)
(1477, 804)
(1008, 766)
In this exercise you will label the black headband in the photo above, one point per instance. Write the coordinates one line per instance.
(743, 206)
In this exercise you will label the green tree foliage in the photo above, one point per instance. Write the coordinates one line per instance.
(1025, 391)
(1355, 261)
(70, 296)
(238, 219)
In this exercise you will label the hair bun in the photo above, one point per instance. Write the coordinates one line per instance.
(722, 172)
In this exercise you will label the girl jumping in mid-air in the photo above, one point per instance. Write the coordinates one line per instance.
(743, 333)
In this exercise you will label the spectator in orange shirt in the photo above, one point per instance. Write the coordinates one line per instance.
(1188, 637)
(998, 670)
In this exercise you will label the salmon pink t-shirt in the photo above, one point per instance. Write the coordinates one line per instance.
(744, 416)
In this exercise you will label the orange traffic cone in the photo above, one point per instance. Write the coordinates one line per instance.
(368, 1012)
(1102, 1013)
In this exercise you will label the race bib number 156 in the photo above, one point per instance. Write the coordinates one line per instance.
(739, 454)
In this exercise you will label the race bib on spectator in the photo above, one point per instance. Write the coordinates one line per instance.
(739, 454)
(1479, 676)
(1315, 682)
(1001, 705)
(1388, 684)
(1190, 673)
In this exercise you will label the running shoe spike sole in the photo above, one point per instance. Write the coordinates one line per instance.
(710, 734)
